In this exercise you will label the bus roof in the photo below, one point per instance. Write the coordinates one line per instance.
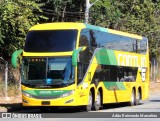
(79, 26)
(58, 25)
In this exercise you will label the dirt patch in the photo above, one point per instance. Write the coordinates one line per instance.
(154, 88)
(10, 100)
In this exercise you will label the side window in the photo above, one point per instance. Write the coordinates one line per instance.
(80, 70)
(84, 58)
(143, 46)
(84, 38)
(98, 39)
(136, 46)
(96, 76)
(130, 74)
(113, 74)
(120, 75)
(110, 73)
(140, 46)
(93, 39)
(107, 72)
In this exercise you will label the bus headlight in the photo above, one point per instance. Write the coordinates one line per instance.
(26, 94)
(67, 94)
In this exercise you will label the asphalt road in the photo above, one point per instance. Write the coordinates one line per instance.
(152, 104)
(120, 112)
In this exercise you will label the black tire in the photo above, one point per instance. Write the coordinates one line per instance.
(90, 102)
(98, 101)
(138, 98)
(132, 99)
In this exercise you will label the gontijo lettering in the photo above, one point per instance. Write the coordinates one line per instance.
(131, 60)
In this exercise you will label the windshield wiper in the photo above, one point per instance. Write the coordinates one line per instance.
(58, 84)
(28, 84)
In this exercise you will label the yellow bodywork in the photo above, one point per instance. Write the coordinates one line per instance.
(81, 91)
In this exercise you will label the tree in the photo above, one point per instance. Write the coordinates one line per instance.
(138, 16)
(135, 16)
(60, 10)
(16, 17)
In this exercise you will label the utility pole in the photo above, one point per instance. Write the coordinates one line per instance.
(87, 11)
(88, 6)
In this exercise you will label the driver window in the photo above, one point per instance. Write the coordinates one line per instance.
(83, 63)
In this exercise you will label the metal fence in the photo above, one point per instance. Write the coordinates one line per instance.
(154, 70)
(9, 80)
(10, 84)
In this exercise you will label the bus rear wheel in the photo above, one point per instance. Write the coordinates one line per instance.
(138, 98)
(98, 101)
(132, 99)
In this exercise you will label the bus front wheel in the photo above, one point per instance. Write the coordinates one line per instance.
(90, 102)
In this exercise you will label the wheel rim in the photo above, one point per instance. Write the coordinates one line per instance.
(98, 100)
(138, 97)
(90, 100)
(132, 98)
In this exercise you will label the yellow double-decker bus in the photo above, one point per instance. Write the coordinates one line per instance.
(77, 64)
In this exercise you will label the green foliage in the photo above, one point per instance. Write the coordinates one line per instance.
(16, 17)
(64, 10)
(139, 16)
(1, 36)
(135, 16)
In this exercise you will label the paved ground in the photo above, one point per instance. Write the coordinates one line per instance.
(10, 103)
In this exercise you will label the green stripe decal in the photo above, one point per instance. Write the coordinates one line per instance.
(75, 56)
(96, 28)
(114, 85)
(46, 92)
(106, 57)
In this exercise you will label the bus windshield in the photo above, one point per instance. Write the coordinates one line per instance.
(50, 41)
(48, 72)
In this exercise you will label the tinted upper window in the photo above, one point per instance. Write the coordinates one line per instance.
(51, 41)
(94, 38)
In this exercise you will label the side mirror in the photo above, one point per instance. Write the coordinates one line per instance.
(15, 56)
(75, 55)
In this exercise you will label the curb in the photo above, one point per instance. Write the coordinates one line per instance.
(13, 107)
(3, 109)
